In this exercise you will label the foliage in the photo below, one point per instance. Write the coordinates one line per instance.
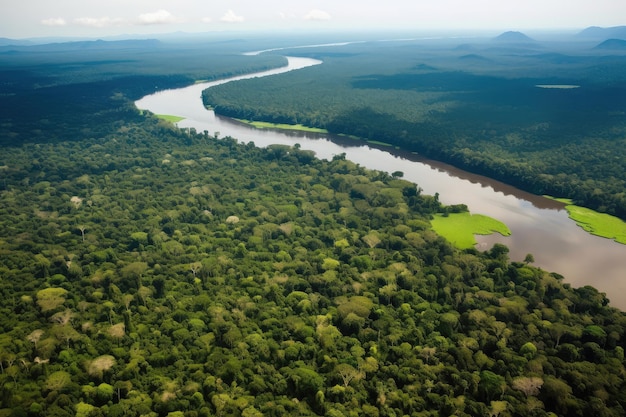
(331, 289)
(482, 111)
(68, 91)
(131, 290)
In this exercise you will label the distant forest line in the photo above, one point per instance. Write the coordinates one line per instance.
(77, 90)
(474, 106)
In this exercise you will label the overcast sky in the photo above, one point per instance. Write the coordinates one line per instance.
(94, 18)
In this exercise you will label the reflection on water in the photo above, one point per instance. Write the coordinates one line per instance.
(539, 226)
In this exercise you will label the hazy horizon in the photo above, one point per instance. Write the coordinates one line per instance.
(88, 19)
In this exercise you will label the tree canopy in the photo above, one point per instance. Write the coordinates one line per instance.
(322, 299)
(153, 271)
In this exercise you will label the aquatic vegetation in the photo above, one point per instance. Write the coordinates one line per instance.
(460, 228)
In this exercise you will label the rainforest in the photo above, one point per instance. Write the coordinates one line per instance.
(149, 270)
(477, 104)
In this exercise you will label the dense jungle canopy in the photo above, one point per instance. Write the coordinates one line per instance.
(545, 117)
(152, 271)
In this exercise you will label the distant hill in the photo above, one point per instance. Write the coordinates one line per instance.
(7, 41)
(599, 33)
(612, 44)
(464, 47)
(473, 57)
(83, 45)
(512, 36)
(560, 59)
(424, 67)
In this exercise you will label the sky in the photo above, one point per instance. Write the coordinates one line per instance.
(99, 18)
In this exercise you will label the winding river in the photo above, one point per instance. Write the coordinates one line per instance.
(539, 226)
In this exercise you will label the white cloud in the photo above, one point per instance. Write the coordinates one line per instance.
(157, 18)
(54, 21)
(206, 20)
(317, 14)
(97, 22)
(231, 17)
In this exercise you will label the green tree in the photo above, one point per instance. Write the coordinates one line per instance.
(50, 299)
(491, 385)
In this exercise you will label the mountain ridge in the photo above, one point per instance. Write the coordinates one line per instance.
(98, 44)
(612, 44)
(604, 33)
(513, 36)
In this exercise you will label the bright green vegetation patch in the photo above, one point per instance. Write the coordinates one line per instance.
(599, 224)
(460, 228)
(375, 142)
(558, 86)
(567, 201)
(285, 126)
(170, 118)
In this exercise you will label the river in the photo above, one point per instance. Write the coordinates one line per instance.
(539, 226)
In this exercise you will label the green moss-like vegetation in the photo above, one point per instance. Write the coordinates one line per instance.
(557, 86)
(285, 126)
(599, 224)
(460, 228)
(170, 118)
(566, 201)
(376, 142)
